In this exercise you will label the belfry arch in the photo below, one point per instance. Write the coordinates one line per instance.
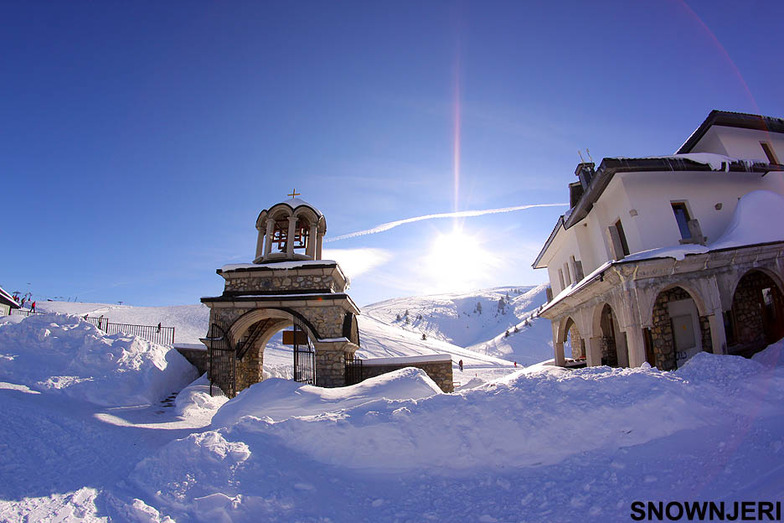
(287, 285)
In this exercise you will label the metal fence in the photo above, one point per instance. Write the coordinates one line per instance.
(154, 333)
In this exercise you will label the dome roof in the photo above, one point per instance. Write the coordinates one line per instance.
(296, 203)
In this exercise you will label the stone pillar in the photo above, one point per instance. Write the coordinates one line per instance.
(268, 242)
(718, 334)
(635, 344)
(312, 240)
(622, 349)
(559, 354)
(593, 356)
(318, 246)
(331, 363)
(260, 246)
(290, 237)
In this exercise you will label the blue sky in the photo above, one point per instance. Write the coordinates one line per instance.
(140, 140)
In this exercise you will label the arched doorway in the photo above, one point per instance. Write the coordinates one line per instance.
(286, 337)
(609, 341)
(757, 316)
(678, 332)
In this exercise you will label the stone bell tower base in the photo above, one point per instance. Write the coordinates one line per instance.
(261, 299)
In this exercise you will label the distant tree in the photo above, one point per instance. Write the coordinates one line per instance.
(516, 329)
(501, 306)
(424, 336)
(406, 313)
(407, 320)
(478, 307)
(506, 334)
(398, 318)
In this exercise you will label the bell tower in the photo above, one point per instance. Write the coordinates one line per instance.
(290, 230)
(287, 285)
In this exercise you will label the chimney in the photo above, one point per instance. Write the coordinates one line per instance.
(585, 172)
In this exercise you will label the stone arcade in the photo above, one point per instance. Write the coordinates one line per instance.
(286, 285)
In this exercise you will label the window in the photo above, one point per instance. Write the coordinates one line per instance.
(622, 237)
(769, 152)
(682, 217)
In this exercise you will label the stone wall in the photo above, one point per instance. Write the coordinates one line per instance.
(199, 358)
(285, 284)
(662, 335)
(746, 310)
(439, 371)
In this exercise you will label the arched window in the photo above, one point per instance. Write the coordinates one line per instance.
(280, 234)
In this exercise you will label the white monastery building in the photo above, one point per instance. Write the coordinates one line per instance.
(659, 258)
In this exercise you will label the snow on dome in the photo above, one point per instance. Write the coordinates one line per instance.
(296, 203)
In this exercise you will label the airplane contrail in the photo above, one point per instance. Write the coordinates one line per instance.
(459, 214)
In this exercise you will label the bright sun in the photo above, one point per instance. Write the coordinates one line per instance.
(457, 261)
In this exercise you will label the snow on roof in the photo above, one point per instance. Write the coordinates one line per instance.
(276, 265)
(716, 162)
(4, 296)
(407, 359)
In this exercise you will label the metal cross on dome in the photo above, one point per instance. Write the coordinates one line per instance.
(294, 194)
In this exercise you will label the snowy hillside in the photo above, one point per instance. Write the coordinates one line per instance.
(470, 326)
(541, 444)
(499, 322)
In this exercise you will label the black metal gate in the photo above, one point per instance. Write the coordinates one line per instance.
(304, 357)
(223, 362)
(353, 370)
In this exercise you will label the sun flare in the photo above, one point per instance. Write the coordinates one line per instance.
(457, 261)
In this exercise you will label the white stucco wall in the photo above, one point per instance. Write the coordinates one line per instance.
(740, 143)
(652, 194)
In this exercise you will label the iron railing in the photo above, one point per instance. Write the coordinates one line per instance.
(154, 333)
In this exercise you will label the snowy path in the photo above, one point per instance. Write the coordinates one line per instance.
(57, 444)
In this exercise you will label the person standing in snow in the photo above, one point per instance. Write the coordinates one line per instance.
(460, 364)
(32, 307)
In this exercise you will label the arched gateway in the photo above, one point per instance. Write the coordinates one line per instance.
(287, 285)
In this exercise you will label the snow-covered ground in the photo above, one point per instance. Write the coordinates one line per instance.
(90, 430)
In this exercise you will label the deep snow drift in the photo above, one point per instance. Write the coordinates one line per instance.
(542, 444)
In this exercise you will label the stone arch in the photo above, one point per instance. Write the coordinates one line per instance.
(611, 339)
(756, 318)
(244, 322)
(680, 326)
(250, 334)
(574, 339)
(648, 300)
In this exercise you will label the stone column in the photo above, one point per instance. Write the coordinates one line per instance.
(559, 354)
(718, 334)
(260, 245)
(635, 343)
(268, 242)
(290, 237)
(318, 246)
(330, 364)
(593, 356)
(312, 240)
